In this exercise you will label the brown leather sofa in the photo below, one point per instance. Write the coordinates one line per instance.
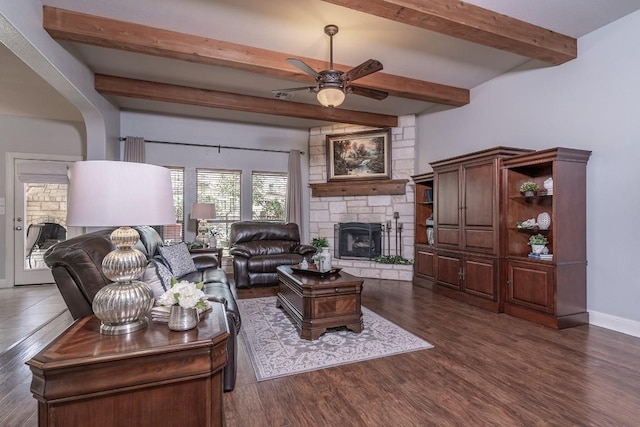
(76, 265)
(258, 248)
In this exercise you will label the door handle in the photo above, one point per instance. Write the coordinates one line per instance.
(18, 228)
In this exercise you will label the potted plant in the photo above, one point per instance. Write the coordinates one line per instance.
(529, 188)
(320, 242)
(537, 243)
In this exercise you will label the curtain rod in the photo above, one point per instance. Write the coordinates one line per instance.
(190, 144)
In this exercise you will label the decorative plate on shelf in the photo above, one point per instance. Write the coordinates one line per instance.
(313, 270)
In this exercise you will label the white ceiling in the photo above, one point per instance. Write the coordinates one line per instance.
(294, 27)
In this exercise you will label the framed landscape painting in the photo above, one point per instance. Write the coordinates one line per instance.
(362, 155)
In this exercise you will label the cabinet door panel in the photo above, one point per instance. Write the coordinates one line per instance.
(448, 199)
(448, 236)
(425, 263)
(480, 277)
(480, 240)
(479, 195)
(531, 285)
(448, 271)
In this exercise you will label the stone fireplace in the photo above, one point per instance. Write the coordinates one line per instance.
(327, 211)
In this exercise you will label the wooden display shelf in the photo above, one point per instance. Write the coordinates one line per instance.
(359, 188)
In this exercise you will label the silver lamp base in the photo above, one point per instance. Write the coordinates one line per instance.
(122, 306)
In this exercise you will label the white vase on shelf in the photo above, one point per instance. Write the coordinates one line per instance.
(537, 249)
(544, 221)
(548, 185)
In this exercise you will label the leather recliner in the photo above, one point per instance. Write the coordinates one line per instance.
(258, 248)
(76, 265)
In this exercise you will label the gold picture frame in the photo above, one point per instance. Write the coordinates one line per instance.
(359, 156)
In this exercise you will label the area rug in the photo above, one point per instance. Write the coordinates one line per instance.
(276, 349)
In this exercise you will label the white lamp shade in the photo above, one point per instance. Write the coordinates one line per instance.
(330, 97)
(105, 193)
(203, 211)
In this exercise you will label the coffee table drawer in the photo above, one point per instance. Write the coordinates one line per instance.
(334, 306)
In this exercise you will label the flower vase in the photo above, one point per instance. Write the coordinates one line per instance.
(213, 242)
(182, 319)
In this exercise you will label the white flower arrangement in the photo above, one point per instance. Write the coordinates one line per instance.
(185, 294)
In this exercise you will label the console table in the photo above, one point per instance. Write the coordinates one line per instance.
(151, 377)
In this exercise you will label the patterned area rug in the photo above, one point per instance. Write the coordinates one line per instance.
(276, 349)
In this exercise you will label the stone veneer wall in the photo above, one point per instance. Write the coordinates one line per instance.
(325, 212)
(46, 203)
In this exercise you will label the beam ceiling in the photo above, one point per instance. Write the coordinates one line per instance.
(104, 32)
(453, 18)
(473, 23)
(119, 86)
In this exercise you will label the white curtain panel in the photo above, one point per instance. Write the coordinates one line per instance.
(294, 191)
(134, 149)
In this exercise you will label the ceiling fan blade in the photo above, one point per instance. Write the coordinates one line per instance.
(292, 89)
(304, 67)
(364, 69)
(370, 93)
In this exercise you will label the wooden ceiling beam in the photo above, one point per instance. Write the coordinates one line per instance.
(98, 31)
(475, 24)
(141, 89)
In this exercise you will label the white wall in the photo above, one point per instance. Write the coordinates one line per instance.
(589, 103)
(208, 132)
(22, 32)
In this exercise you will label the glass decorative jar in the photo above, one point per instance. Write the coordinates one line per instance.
(324, 262)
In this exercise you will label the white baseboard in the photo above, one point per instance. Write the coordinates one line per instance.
(615, 323)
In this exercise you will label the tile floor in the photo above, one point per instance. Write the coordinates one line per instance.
(23, 309)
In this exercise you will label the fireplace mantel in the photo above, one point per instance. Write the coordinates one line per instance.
(359, 188)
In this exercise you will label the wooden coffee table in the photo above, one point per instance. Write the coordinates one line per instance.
(318, 303)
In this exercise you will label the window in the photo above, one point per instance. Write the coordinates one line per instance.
(222, 188)
(269, 196)
(173, 233)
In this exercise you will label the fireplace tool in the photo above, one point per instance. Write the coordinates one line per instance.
(399, 230)
(396, 215)
(389, 237)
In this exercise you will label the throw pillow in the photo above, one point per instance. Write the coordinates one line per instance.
(164, 273)
(178, 259)
(156, 282)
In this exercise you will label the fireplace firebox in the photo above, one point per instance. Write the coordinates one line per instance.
(358, 240)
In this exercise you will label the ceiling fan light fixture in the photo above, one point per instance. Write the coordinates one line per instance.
(331, 96)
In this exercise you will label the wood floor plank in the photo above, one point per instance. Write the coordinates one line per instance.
(485, 369)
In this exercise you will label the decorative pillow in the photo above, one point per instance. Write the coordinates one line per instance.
(156, 282)
(164, 273)
(178, 259)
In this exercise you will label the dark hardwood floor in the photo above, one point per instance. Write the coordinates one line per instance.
(486, 370)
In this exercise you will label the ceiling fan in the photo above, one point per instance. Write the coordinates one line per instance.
(332, 85)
